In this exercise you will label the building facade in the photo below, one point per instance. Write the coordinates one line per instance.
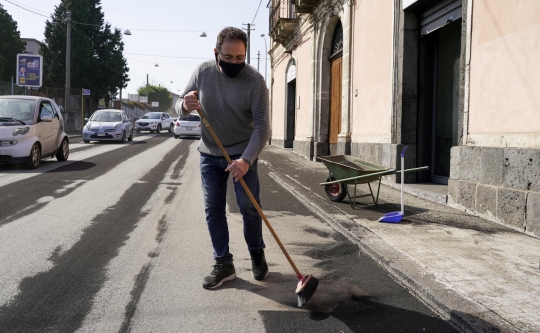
(32, 45)
(452, 79)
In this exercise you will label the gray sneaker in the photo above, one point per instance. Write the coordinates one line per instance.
(220, 274)
(259, 267)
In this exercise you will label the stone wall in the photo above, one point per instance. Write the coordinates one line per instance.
(499, 184)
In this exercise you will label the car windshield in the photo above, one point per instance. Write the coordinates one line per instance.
(106, 116)
(151, 116)
(191, 118)
(17, 109)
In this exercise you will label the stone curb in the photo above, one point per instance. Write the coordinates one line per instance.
(464, 314)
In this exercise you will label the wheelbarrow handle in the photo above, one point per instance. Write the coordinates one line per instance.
(382, 173)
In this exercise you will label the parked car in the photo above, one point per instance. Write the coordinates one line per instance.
(155, 122)
(108, 125)
(31, 128)
(187, 126)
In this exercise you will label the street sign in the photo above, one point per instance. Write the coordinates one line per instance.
(29, 70)
(101, 103)
(143, 99)
(86, 92)
(155, 104)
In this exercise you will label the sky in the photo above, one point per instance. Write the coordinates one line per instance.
(163, 32)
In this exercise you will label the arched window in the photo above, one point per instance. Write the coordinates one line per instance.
(337, 40)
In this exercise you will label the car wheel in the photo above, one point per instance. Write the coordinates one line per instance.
(86, 141)
(171, 128)
(34, 158)
(63, 151)
(123, 140)
(336, 192)
(131, 136)
(158, 128)
(177, 136)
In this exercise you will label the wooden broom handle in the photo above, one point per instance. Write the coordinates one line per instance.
(250, 195)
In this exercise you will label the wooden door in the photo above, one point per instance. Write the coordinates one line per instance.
(335, 100)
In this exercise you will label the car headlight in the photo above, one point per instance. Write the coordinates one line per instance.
(88, 126)
(116, 126)
(21, 131)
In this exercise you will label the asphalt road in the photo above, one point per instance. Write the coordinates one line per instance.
(114, 240)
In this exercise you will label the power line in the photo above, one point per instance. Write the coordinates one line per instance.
(31, 11)
(164, 56)
(39, 10)
(94, 25)
(167, 30)
(256, 12)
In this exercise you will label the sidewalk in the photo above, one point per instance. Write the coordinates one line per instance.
(480, 275)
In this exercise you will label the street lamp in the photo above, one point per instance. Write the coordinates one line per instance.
(265, 60)
(203, 34)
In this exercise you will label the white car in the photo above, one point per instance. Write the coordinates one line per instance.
(31, 128)
(154, 122)
(187, 126)
(108, 125)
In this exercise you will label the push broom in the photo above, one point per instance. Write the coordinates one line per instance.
(307, 284)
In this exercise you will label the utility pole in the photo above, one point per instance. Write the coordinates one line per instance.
(68, 58)
(146, 85)
(249, 28)
(258, 59)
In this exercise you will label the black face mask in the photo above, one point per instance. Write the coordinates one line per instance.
(230, 69)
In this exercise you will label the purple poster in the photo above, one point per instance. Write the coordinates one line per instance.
(29, 70)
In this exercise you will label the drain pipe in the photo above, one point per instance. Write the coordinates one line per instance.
(395, 48)
(467, 83)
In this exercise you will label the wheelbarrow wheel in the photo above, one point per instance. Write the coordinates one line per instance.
(336, 192)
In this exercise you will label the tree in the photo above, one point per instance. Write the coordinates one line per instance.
(10, 46)
(97, 61)
(157, 94)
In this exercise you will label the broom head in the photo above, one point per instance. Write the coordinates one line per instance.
(306, 288)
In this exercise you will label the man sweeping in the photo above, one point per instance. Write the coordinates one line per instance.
(234, 98)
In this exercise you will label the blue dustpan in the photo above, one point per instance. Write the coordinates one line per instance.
(392, 217)
(395, 217)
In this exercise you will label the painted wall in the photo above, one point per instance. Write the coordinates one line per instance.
(278, 98)
(505, 74)
(303, 80)
(372, 72)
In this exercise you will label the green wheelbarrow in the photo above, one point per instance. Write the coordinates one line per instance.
(345, 170)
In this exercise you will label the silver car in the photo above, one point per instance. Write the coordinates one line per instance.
(108, 125)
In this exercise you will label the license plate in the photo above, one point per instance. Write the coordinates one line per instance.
(101, 134)
(188, 128)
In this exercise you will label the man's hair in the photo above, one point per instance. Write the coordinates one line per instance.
(230, 33)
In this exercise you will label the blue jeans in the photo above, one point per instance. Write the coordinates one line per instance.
(214, 185)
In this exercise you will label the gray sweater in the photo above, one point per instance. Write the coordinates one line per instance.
(236, 108)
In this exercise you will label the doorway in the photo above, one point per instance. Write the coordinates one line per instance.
(290, 105)
(336, 82)
(439, 77)
(290, 121)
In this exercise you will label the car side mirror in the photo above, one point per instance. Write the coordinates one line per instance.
(46, 119)
(85, 119)
(61, 108)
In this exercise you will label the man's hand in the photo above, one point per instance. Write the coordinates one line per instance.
(191, 101)
(238, 168)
